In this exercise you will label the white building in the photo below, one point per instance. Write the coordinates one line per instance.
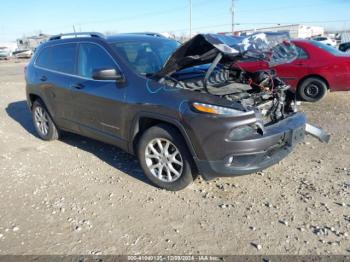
(295, 31)
(345, 37)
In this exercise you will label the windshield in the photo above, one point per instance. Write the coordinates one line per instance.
(328, 48)
(146, 56)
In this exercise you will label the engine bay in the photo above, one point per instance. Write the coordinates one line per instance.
(262, 90)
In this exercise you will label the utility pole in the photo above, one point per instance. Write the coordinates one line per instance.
(74, 31)
(190, 2)
(233, 16)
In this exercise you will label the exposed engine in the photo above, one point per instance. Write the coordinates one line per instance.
(267, 92)
(261, 90)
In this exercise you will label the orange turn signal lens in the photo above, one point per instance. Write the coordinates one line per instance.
(205, 108)
(218, 110)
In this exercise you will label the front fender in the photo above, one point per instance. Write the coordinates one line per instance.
(135, 128)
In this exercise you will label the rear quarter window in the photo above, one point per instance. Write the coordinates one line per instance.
(60, 58)
(44, 58)
(302, 53)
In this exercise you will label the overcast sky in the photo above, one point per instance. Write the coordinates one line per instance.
(25, 17)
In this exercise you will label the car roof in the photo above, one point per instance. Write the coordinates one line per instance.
(132, 37)
(109, 39)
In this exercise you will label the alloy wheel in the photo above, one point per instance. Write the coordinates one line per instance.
(41, 120)
(164, 160)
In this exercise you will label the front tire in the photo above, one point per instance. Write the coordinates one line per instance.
(165, 158)
(44, 126)
(312, 89)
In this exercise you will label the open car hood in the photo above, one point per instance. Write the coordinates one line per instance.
(274, 48)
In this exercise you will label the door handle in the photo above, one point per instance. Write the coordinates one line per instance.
(78, 86)
(43, 78)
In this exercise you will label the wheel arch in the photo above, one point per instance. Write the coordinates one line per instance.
(55, 132)
(144, 121)
(301, 81)
(31, 98)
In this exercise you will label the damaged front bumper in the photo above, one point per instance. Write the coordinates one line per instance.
(317, 133)
(255, 153)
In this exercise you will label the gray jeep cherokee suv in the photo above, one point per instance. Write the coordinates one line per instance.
(183, 111)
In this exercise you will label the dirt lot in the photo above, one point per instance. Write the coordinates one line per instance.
(78, 196)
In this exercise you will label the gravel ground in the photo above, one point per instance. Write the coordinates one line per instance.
(79, 196)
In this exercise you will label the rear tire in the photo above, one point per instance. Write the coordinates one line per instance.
(43, 123)
(165, 158)
(312, 89)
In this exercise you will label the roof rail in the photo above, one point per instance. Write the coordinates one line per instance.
(80, 34)
(149, 34)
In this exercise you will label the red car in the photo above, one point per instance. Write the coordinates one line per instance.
(318, 68)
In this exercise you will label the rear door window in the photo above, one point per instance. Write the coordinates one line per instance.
(93, 57)
(59, 58)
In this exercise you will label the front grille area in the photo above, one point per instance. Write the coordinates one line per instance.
(242, 132)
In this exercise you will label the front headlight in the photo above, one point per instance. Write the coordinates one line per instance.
(216, 110)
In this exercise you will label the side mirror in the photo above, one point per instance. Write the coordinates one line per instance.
(108, 74)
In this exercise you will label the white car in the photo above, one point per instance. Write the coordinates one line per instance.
(326, 40)
(5, 53)
(23, 54)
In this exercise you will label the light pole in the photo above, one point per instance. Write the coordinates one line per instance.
(233, 16)
(190, 3)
